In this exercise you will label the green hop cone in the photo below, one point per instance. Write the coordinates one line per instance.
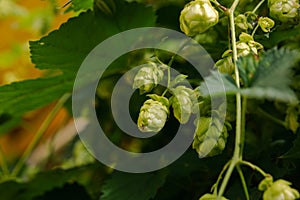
(210, 137)
(197, 17)
(148, 77)
(266, 24)
(280, 190)
(225, 65)
(211, 197)
(153, 115)
(183, 103)
(284, 10)
(241, 21)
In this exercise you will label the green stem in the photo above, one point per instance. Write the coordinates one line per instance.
(215, 186)
(4, 165)
(271, 117)
(223, 8)
(243, 126)
(245, 188)
(169, 74)
(254, 167)
(254, 31)
(39, 134)
(257, 6)
(170, 64)
(236, 153)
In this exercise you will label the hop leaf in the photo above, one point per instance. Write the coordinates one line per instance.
(183, 103)
(280, 190)
(197, 17)
(148, 77)
(153, 115)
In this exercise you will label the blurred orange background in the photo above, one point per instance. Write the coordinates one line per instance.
(20, 22)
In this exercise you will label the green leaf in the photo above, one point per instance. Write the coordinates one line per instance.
(294, 152)
(269, 78)
(133, 186)
(273, 76)
(80, 5)
(20, 97)
(8, 122)
(66, 48)
(218, 84)
(41, 183)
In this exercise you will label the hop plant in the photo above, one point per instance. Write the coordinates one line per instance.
(283, 10)
(197, 17)
(183, 103)
(278, 190)
(148, 77)
(153, 114)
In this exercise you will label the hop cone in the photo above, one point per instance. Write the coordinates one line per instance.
(284, 10)
(153, 116)
(280, 190)
(210, 137)
(148, 77)
(198, 16)
(183, 103)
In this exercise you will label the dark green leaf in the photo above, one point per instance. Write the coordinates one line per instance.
(8, 122)
(294, 152)
(273, 76)
(268, 78)
(133, 186)
(80, 5)
(20, 97)
(41, 183)
(66, 48)
(247, 66)
(218, 84)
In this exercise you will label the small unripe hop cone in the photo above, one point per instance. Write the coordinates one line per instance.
(153, 115)
(197, 17)
(148, 77)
